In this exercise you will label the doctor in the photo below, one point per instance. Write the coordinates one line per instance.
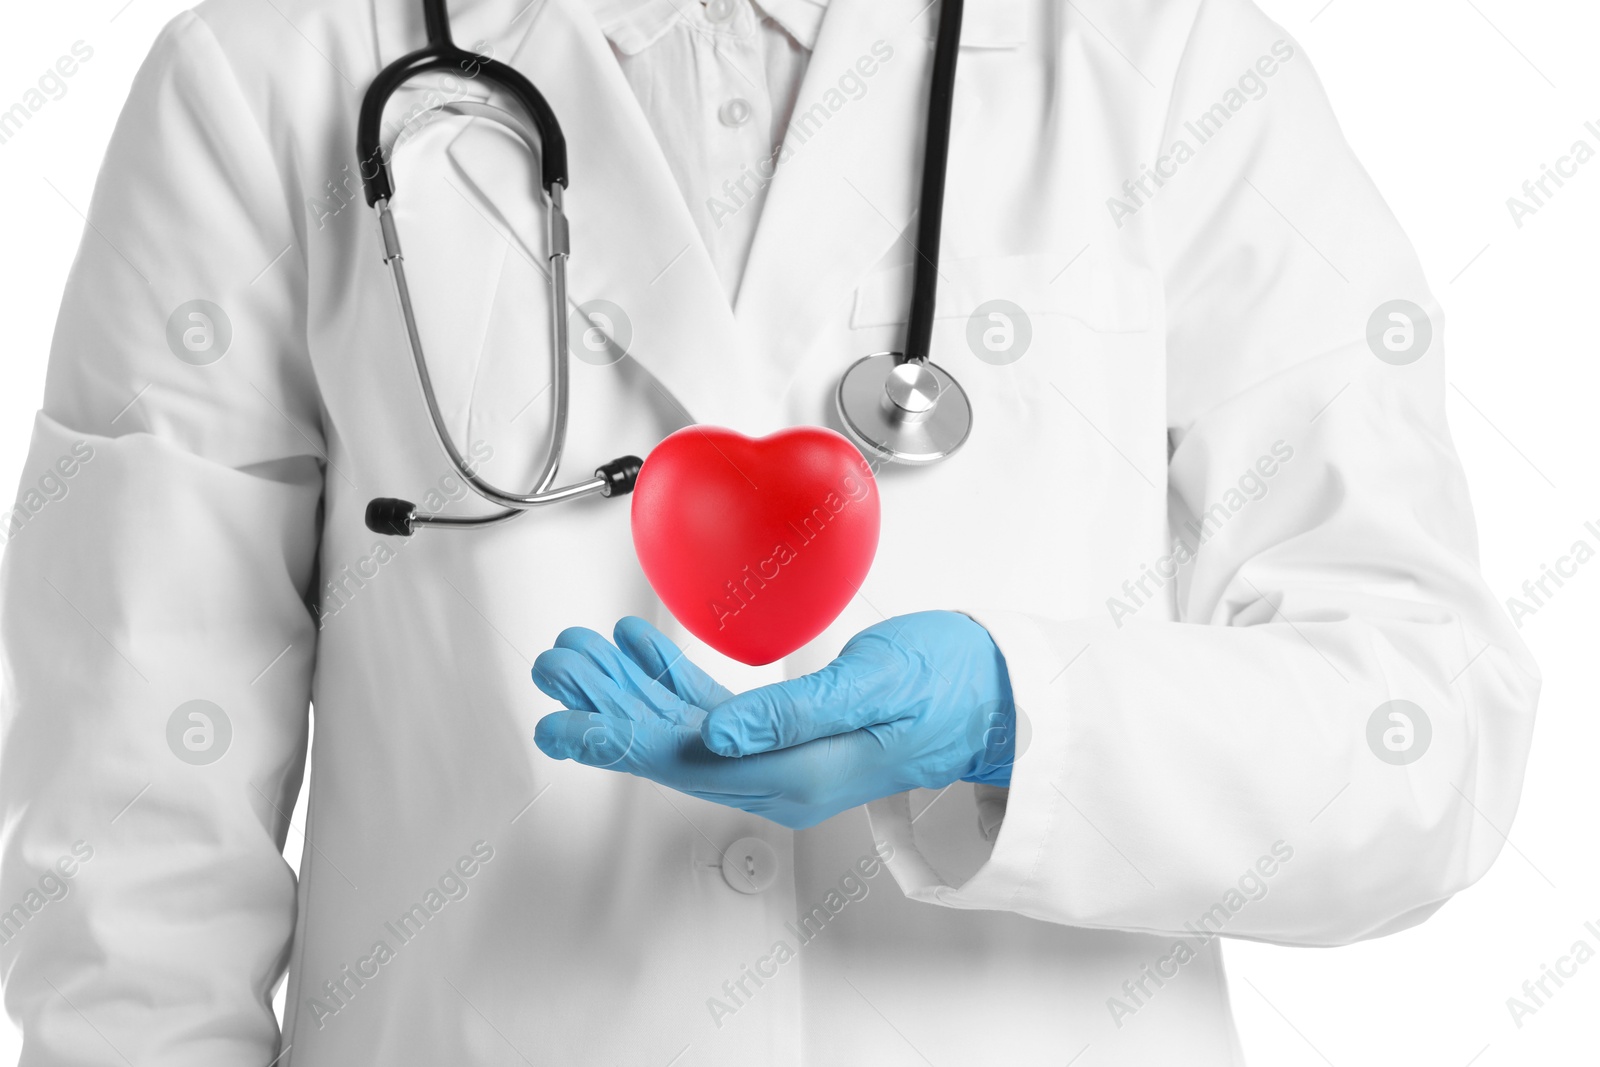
(1206, 567)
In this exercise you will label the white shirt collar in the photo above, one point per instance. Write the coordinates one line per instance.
(634, 25)
(801, 18)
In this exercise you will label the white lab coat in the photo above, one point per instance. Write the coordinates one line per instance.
(1201, 751)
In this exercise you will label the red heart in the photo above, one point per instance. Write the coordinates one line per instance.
(755, 544)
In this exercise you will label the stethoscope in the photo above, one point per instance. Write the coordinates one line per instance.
(897, 406)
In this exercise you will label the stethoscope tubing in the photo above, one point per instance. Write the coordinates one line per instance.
(441, 53)
(935, 161)
(400, 516)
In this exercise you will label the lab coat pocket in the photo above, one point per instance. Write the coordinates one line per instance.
(1102, 293)
(1062, 356)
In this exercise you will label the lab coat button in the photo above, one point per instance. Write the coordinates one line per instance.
(750, 865)
(720, 10)
(735, 112)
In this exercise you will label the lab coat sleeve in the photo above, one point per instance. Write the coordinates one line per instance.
(1236, 769)
(160, 554)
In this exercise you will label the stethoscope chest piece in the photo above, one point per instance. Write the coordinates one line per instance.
(909, 411)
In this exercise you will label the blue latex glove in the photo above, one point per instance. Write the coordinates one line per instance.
(921, 700)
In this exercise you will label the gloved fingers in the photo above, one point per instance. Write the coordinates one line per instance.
(596, 739)
(574, 680)
(674, 756)
(662, 660)
(584, 671)
(840, 698)
(619, 668)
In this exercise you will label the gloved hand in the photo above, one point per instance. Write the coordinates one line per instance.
(916, 701)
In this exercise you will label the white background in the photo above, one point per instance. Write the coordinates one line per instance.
(1452, 105)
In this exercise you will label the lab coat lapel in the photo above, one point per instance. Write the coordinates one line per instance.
(634, 242)
(847, 186)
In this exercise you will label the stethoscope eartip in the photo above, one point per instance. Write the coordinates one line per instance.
(619, 475)
(390, 515)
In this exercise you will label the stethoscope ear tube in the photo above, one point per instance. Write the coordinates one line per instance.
(399, 517)
(391, 515)
(394, 517)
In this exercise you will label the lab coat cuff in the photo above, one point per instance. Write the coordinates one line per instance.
(1039, 688)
